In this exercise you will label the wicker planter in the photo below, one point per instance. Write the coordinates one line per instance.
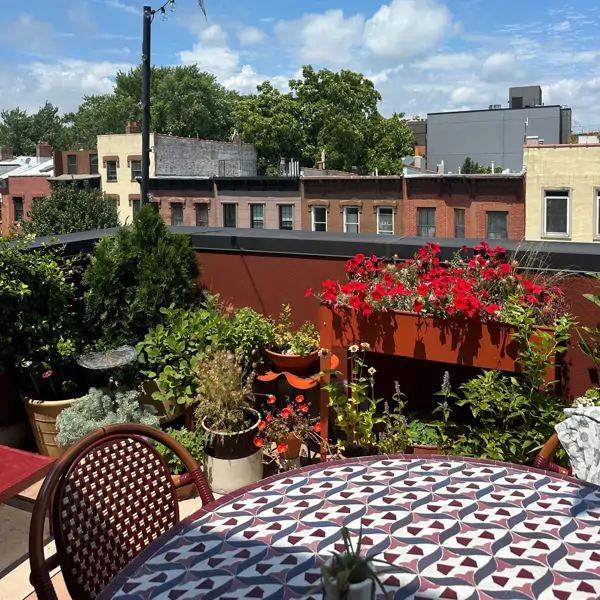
(42, 418)
(167, 410)
(294, 445)
(231, 460)
(292, 363)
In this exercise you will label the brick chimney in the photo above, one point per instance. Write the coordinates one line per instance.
(6, 153)
(132, 127)
(43, 150)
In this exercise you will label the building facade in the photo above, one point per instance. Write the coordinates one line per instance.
(75, 162)
(563, 192)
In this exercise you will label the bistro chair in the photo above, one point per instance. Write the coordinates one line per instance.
(545, 459)
(109, 496)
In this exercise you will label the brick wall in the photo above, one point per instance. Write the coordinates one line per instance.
(26, 188)
(61, 161)
(189, 199)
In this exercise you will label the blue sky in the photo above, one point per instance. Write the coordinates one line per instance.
(423, 55)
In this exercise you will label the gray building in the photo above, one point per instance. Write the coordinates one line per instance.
(497, 134)
(188, 157)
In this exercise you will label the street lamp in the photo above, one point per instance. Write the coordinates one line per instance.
(149, 14)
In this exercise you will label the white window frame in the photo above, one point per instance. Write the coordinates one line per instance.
(547, 194)
(379, 209)
(280, 214)
(345, 211)
(252, 206)
(312, 216)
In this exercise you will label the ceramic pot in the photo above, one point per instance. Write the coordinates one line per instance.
(294, 446)
(231, 460)
(365, 590)
(292, 363)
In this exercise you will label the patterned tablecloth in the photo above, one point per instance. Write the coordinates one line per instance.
(464, 529)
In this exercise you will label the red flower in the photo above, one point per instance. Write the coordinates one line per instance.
(304, 408)
(435, 248)
(499, 250)
(257, 441)
(262, 425)
(317, 427)
(286, 412)
(282, 448)
(460, 303)
(417, 306)
(271, 399)
(269, 418)
(354, 301)
(423, 289)
(366, 309)
(47, 374)
(464, 249)
(375, 295)
(299, 398)
(492, 308)
(359, 257)
(532, 300)
(374, 259)
(505, 268)
(308, 292)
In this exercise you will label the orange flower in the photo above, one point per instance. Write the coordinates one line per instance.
(282, 448)
(304, 408)
(261, 425)
(317, 427)
(299, 398)
(269, 418)
(258, 442)
(271, 399)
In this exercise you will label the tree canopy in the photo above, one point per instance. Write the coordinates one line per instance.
(470, 166)
(324, 110)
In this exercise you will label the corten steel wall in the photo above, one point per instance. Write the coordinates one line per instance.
(24, 187)
(476, 196)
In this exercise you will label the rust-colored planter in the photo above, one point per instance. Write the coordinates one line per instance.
(294, 445)
(453, 341)
(293, 363)
(424, 450)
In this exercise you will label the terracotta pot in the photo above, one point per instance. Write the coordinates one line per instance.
(42, 418)
(292, 363)
(167, 410)
(186, 492)
(294, 445)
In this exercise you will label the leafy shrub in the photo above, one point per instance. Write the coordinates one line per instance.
(423, 434)
(69, 209)
(39, 330)
(395, 437)
(98, 408)
(134, 274)
(300, 342)
(191, 440)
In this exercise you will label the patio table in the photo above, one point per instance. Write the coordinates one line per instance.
(465, 529)
(19, 470)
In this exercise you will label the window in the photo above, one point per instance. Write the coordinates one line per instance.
(496, 225)
(177, 213)
(136, 169)
(426, 222)
(257, 216)
(351, 219)
(598, 213)
(72, 164)
(556, 212)
(93, 164)
(385, 220)
(111, 170)
(229, 215)
(319, 218)
(459, 223)
(202, 215)
(136, 206)
(286, 217)
(18, 206)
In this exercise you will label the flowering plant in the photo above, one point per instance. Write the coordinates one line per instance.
(478, 287)
(300, 342)
(276, 428)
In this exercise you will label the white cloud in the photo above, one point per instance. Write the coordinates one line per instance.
(251, 35)
(456, 61)
(329, 38)
(29, 34)
(79, 13)
(406, 29)
(501, 66)
(128, 8)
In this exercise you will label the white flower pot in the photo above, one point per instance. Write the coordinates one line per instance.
(365, 590)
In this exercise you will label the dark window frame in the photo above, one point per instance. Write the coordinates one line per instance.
(460, 231)
(425, 229)
(94, 164)
(562, 195)
(491, 235)
(71, 164)
(20, 210)
(201, 206)
(290, 220)
(109, 165)
(227, 218)
(176, 206)
(135, 173)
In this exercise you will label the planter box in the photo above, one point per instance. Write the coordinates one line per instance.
(453, 341)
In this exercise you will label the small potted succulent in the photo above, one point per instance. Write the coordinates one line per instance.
(349, 575)
(224, 409)
(294, 351)
(288, 428)
(193, 442)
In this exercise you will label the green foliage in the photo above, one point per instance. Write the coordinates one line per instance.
(39, 327)
(472, 167)
(392, 141)
(192, 441)
(591, 348)
(69, 209)
(423, 434)
(395, 438)
(301, 342)
(135, 273)
(99, 408)
(513, 416)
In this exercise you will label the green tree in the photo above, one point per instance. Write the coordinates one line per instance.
(470, 166)
(69, 209)
(392, 141)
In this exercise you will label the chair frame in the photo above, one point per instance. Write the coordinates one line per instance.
(545, 459)
(41, 567)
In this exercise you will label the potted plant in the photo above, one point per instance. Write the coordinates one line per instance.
(349, 575)
(294, 351)
(99, 408)
(193, 442)
(224, 410)
(287, 429)
(355, 404)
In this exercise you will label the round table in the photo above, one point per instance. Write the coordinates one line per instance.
(466, 529)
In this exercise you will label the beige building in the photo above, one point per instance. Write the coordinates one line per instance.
(562, 194)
